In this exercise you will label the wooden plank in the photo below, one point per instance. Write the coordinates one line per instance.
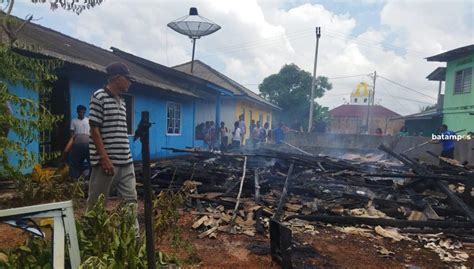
(199, 222)
(207, 233)
(279, 211)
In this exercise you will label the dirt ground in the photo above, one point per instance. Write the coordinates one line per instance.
(332, 249)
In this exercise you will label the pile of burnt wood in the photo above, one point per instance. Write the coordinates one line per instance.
(386, 189)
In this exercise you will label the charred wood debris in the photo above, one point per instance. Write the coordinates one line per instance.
(383, 193)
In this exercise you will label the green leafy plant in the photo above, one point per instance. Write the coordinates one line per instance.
(31, 117)
(166, 206)
(47, 186)
(109, 239)
(36, 253)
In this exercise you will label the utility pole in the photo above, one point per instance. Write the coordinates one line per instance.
(371, 103)
(313, 83)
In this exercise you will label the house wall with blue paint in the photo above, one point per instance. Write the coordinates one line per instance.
(32, 147)
(228, 113)
(83, 84)
(205, 111)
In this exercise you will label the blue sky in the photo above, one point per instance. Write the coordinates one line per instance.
(260, 36)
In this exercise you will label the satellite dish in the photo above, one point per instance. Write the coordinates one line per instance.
(194, 26)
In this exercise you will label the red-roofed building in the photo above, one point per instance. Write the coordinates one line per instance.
(352, 118)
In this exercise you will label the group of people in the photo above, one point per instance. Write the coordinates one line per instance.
(208, 133)
(258, 134)
(234, 138)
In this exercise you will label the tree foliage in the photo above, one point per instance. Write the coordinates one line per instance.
(290, 89)
(428, 107)
(75, 6)
(27, 116)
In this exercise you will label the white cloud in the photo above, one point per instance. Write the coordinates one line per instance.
(259, 36)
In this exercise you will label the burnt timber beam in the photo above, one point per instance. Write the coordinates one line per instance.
(438, 177)
(469, 213)
(349, 220)
(402, 159)
(279, 211)
(456, 200)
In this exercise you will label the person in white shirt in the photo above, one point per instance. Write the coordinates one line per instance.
(237, 136)
(256, 135)
(78, 145)
(224, 137)
(242, 127)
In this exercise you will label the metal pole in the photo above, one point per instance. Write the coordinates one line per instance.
(145, 139)
(370, 104)
(439, 105)
(313, 83)
(192, 59)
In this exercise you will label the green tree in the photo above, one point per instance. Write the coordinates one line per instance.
(428, 107)
(290, 89)
(20, 66)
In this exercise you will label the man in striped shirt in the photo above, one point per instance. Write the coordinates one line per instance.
(109, 148)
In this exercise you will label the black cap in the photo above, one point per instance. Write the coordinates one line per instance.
(115, 69)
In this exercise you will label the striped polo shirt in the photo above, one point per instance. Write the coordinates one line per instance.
(109, 114)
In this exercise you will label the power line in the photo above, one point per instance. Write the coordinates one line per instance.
(237, 47)
(253, 44)
(369, 45)
(402, 98)
(333, 78)
(405, 87)
(407, 99)
(335, 95)
(384, 44)
(351, 76)
(258, 41)
(383, 88)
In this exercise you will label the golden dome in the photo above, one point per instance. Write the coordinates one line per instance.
(362, 90)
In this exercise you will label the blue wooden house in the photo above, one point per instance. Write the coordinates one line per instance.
(169, 95)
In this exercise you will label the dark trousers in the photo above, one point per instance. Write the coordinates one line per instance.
(79, 159)
(235, 144)
(448, 153)
(224, 143)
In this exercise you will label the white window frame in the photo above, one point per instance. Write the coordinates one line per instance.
(463, 81)
(180, 118)
(132, 106)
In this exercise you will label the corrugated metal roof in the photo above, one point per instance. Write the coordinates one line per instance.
(429, 114)
(172, 73)
(361, 111)
(206, 72)
(439, 74)
(54, 44)
(452, 54)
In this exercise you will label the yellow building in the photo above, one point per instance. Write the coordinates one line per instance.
(243, 102)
